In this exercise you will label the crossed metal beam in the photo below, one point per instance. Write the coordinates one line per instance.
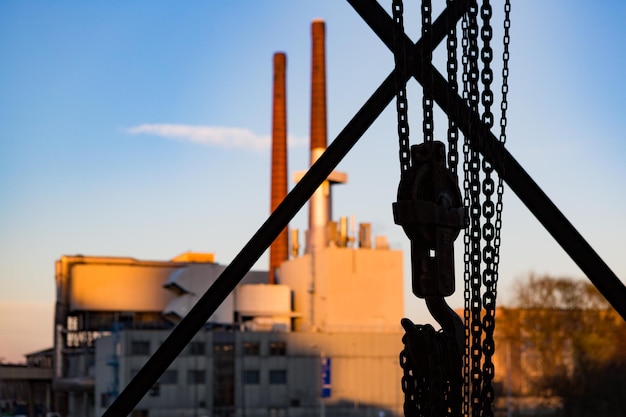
(480, 139)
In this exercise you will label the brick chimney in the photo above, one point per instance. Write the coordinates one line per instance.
(319, 210)
(279, 249)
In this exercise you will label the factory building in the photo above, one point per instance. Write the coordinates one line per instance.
(317, 334)
(261, 353)
(231, 372)
(25, 389)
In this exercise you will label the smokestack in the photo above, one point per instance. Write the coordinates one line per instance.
(279, 249)
(319, 213)
(321, 202)
(318, 89)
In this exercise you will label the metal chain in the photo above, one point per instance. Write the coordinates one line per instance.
(486, 55)
(408, 381)
(431, 367)
(473, 241)
(484, 220)
(503, 122)
(491, 279)
(505, 70)
(488, 229)
(427, 98)
(452, 66)
(473, 73)
(400, 80)
(466, 235)
(478, 365)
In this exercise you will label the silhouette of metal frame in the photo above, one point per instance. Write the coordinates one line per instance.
(481, 139)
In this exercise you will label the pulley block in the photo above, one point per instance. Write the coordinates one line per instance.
(431, 213)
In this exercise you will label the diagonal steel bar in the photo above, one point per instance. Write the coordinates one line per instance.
(481, 138)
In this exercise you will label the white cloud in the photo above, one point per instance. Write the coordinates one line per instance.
(218, 136)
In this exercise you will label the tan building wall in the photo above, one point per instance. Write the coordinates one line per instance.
(339, 289)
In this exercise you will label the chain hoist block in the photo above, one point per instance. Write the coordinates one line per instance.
(430, 210)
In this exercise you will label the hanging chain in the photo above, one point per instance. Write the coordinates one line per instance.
(488, 229)
(409, 382)
(478, 364)
(400, 80)
(432, 372)
(503, 122)
(505, 70)
(427, 98)
(466, 235)
(452, 66)
(493, 251)
(472, 239)
(482, 234)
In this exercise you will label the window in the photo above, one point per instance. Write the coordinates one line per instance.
(155, 391)
(223, 374)
(139, 347)
(278, 376)
(106, 399)
(72, 323)
(169, 377)
(196, 348)
(195, 377)
(278, 348)
(251, 348)
(223, 347)
(251, 376)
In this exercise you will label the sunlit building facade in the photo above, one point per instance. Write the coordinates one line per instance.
(261, 354)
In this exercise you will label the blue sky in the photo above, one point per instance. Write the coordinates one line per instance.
(88, 164)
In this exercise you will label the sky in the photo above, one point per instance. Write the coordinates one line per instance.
(143, 129)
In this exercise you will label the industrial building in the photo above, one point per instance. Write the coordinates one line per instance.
(26, 389)
(317, 334)
(249, 358)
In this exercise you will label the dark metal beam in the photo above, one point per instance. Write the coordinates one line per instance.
(508, 168)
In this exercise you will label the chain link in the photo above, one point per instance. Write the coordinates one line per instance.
(400, 81)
